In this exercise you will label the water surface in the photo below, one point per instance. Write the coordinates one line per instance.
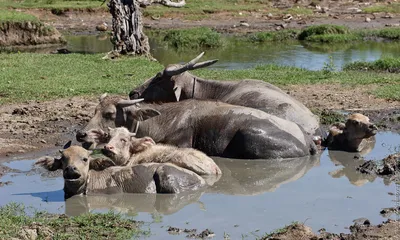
(237, 54)
(251, 197)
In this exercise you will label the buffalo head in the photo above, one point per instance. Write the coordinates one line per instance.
(112, 111)
(167, 85)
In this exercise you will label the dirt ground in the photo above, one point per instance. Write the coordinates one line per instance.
(341, 12)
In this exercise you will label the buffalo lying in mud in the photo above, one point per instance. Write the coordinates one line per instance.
(215, 128)
(144, 178)
(124, 148)
(352, 136)
(175, 84)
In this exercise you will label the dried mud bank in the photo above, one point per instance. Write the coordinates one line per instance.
(386, 230)
(28, 33)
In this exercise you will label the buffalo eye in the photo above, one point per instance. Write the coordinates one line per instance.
(109, 115)
(123, 140)
(85, 159)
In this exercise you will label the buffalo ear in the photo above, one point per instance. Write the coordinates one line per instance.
(144, 114)
(177, 91)
(99, 164)
(49, 163)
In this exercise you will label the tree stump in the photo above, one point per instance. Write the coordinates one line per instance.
(128, 37)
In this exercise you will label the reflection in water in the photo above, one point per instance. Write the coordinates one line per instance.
(258, 176)
(131, 204)
(350, 161)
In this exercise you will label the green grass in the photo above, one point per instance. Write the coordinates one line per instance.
(326, 33)
(14, 217)
(192, 38)
(14, 16)
(283, 35)
(28, 76)
(33, 76)
(388, 64)
(392, 8)
(53, 4)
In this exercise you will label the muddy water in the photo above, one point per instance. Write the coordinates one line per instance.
(251, 197)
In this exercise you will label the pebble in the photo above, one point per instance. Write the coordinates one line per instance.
(244, 24)
(367, 19)
(43, 141)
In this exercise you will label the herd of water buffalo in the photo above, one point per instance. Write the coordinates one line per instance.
(160, 139)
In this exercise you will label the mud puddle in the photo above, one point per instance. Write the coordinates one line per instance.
(250, 199)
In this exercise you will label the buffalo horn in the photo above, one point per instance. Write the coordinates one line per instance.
(174, 70)
(127, 103)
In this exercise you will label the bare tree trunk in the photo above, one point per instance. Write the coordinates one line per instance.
(128, 36)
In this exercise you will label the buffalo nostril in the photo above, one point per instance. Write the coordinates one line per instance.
(373, 127)
(108, 147)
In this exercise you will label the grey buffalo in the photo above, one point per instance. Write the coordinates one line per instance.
(174, 83)
(215, 128)
(79, 178)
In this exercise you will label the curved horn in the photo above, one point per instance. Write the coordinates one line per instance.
(175, 70)
(127, 103)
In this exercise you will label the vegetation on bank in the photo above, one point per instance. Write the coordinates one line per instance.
(15, 222)
(388, 8)
(57, 6)
(14, 16)
(193, 38)
(326, 33)
(388, 64)
(33, 76)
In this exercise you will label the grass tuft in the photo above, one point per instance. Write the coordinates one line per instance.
(194, 38)
(14, 16)
(324, 29)
(279, 36)
(15, 222)
(388, 64)
(392, 8)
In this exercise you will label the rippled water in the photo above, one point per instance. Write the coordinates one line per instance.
(251, 197)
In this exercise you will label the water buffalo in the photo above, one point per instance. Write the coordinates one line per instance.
(352, 136)
(144, 178)
(125, 149)
(175, 84)
(215, 128)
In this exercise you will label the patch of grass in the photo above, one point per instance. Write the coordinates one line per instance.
(59, 5)
(324, 29)
(14, 16)
(28, 76)
(16, 222)
(388, 92)
(33, 76)
(388, 64)
(193, 38)
(392, 8)
(334, 38)
(388, 33)
(283, 35)
(328, 117)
